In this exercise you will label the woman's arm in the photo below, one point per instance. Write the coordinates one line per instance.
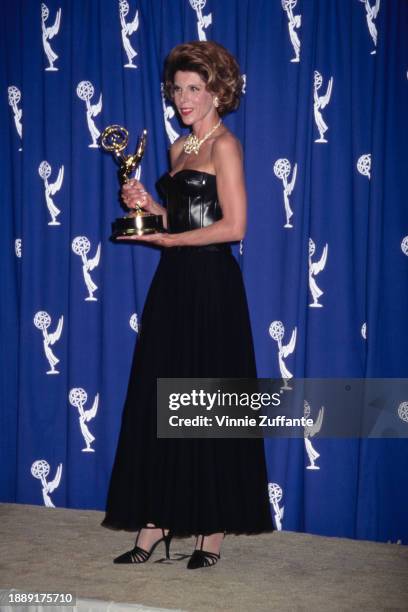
(134, 194)
(227, 161)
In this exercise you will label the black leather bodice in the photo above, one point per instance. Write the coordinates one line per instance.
(192, 201)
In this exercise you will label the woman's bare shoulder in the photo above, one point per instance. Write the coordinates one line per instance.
(176, 150)
(227, 144)
(177, 145)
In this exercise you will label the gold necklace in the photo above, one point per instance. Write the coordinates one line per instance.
(192, 144)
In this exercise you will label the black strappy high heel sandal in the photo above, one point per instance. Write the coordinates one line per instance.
(139, 555)
(202, 558)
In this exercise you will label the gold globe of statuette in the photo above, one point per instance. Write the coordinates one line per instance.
(114, 139)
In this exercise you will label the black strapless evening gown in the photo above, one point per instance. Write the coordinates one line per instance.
(195, 323)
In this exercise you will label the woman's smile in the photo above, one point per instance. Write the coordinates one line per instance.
(185, 111)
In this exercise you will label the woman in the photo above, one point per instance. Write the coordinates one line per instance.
(195, 324)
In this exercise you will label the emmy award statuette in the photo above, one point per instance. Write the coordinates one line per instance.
(114, 139)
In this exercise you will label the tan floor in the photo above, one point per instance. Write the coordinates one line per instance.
(58, 549)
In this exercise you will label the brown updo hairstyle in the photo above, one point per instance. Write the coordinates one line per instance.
(215, 65)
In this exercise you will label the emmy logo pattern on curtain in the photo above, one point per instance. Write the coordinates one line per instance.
(40, 470)
(403, 411)
(275, 496)
(81, 247)
(134, 323)
(78, 398)
(364, 165)
(48, 32)
(314, 269)
(277, 332)
(309, 432)
(404, 245)
(203, 21)
(127, 29)
(50, 189)
(42, 321)
(372, 11)
(168, 114)
(18, 247)
(85, 91)
(282, 170)
(14, 97)
(320, 102)
(294, 23)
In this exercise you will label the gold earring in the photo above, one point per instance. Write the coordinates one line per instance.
(216, 102)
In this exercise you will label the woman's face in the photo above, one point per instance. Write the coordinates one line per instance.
(191, 98)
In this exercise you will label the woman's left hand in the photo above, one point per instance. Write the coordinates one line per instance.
(159, 239)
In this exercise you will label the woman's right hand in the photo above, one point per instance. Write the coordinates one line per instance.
(134, 194)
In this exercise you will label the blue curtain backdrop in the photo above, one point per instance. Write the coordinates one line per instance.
(324, 128)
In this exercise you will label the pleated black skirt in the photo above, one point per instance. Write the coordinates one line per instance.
(195, 324)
